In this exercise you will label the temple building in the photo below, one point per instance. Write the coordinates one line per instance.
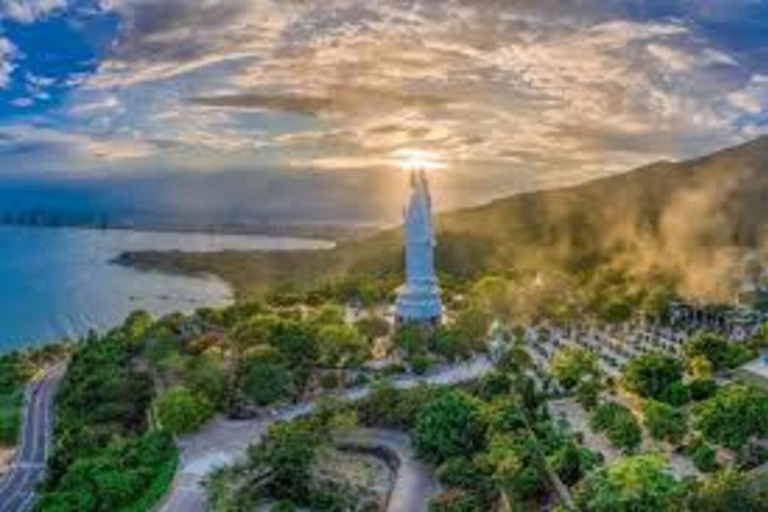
(418, 299)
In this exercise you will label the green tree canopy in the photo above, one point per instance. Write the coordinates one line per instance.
(726, 491)
(267, 382)
(712, 346)
(571, 365)
(342, 345)
(449, 426)
(642, 483)
(619, 424)
(651, 375)
(373, 327)
(180, 410)
(733, 416)
(287, 452)
(472, 326)
(665, 423)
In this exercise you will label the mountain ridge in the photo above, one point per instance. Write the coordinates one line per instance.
(694, 219)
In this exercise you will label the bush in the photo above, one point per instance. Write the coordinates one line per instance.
(449, 426)
(267, 382)
(420, 364)
(702, 389)
(128, 476)
(329, 380)
(677, 394)
(665, 423)
(181, 410)
(705, 458)
(733, 416)
(619, 425)
(652, 375)
(283, 506)
(10, 417)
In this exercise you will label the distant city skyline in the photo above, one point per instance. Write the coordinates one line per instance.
(512, 95)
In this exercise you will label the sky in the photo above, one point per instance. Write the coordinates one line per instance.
(321, 100)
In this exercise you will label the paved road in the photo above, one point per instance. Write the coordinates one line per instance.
(224, 441)
(17, 488)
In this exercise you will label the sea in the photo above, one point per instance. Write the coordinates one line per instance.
(58, 283)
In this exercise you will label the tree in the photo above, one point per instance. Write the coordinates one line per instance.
(252, 332)
(733, 416)
(615, 309)
(726, 491)
(573, 364)
(665, 423)
(181, 410)
(287, 452)
(705, 458)
(619, 424)
(297, 342)
(700, 367)
(713, 347)
(652, 374)
(588, 392)
(329, 314)
(472, 326)
(446, 342)
(642, 483)
(572, 462)
(341, 345)
(449, 426)
(137, 324)
(373, 327)
(266, 382)
(206, 374)
(411, 338)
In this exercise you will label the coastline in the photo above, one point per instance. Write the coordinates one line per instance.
(306, 231)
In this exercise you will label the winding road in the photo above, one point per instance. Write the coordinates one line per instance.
(224, 441)
(17, 489)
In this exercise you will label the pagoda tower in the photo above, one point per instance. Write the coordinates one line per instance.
(418, 299)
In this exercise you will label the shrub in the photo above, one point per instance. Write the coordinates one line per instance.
(665, 423)
(619, 425)
(705, 458)
(181, 410)
(329, 380)
(420, 364)
(449, 426)
(702, 389)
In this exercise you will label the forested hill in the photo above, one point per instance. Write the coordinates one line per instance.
(692, 218)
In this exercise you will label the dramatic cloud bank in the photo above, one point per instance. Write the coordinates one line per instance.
(543, 92)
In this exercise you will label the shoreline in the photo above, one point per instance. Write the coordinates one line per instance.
(319, 232)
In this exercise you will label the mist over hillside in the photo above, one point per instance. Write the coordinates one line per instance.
(695, 219)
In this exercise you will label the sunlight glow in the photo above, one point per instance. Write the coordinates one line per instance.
(419, 159)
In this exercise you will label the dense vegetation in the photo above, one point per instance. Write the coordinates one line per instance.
(106, 455)
(16, 369)
(12, 378)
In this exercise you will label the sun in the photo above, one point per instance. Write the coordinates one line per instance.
(419, 159)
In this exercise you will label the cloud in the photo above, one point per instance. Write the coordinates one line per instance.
(8, 53)
(29, 11)
(565, 91)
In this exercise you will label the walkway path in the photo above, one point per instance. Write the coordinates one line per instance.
(17, 489)
(224, 441)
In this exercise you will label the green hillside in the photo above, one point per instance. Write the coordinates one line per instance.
(692, 219)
